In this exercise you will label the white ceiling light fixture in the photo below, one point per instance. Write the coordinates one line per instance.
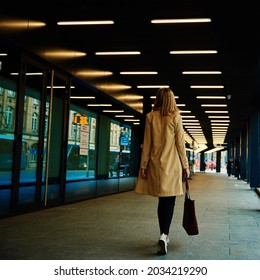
(219, 117)
(99, 105)
(176, 97)
(220, 121)
(82, 97)
(205, 86)
(124, 116)
(181, 20)
(216, 112)
(138, 73)
(119, 53)
(188, 117)
(213, 105)
(131, 120)
(201, 72)
(113, 111)
(194, 52)
(153, 86)
(210, 97)
(86, 22)
(219, 124)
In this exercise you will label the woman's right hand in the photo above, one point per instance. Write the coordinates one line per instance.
(187, 172)
(144, 173)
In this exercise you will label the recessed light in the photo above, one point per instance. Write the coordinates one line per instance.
(181, 20)
(203, 86)
(153, 86)
(119, 53)
(138, 73)
(194, 52)
(201, 72)
(86, 22)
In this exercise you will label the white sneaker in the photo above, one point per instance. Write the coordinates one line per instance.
(162, 245)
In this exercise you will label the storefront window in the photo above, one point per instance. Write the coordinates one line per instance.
(7, 126)
(119, 151)
(81, 153)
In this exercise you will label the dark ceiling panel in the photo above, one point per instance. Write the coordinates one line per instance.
(233, 33)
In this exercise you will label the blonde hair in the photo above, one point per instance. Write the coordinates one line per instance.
(165, 102)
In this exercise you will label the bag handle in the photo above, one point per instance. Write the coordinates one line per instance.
(187, 186)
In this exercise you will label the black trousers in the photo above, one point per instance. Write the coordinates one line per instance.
(165, 212)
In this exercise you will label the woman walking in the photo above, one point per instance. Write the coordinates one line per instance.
(163, 160)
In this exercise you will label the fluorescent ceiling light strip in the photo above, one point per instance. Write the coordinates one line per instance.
(28, 74)
(82, 97)
(213, 105)
(203, 86)
(99, 105)
(219, 121)
(181, 20)
(214, 150)
(64, 54)
(3, 54)
(210, 97)
(191, 121)
(153, 86)
(188, 117)
(124, 116)
(216, 112)
(22, 24)
(176, 97)
(131, 120)
(219, 117)
(113, 111)
(201, 72)
(94, 73)
(194, 52)
(119, 53)
(219, 124)
(86, 22)
(59, 87)
(138, 73)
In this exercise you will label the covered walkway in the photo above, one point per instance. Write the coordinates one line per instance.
(124, 226)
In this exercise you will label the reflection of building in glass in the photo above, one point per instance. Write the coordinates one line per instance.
(7, 110)
(120, 144)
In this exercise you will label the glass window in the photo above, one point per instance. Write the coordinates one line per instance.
(30, 137)
(81, 153)
(34, 121)
(119, 151)
(9, 116)
(11, 93)
(7, 125)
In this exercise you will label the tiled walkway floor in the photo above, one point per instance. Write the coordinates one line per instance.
(124, 226)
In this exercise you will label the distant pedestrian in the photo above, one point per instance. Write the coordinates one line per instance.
(205, 166)
(237, 167)
(230, 164)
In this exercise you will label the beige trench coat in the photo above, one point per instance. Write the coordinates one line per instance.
(163, 155)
